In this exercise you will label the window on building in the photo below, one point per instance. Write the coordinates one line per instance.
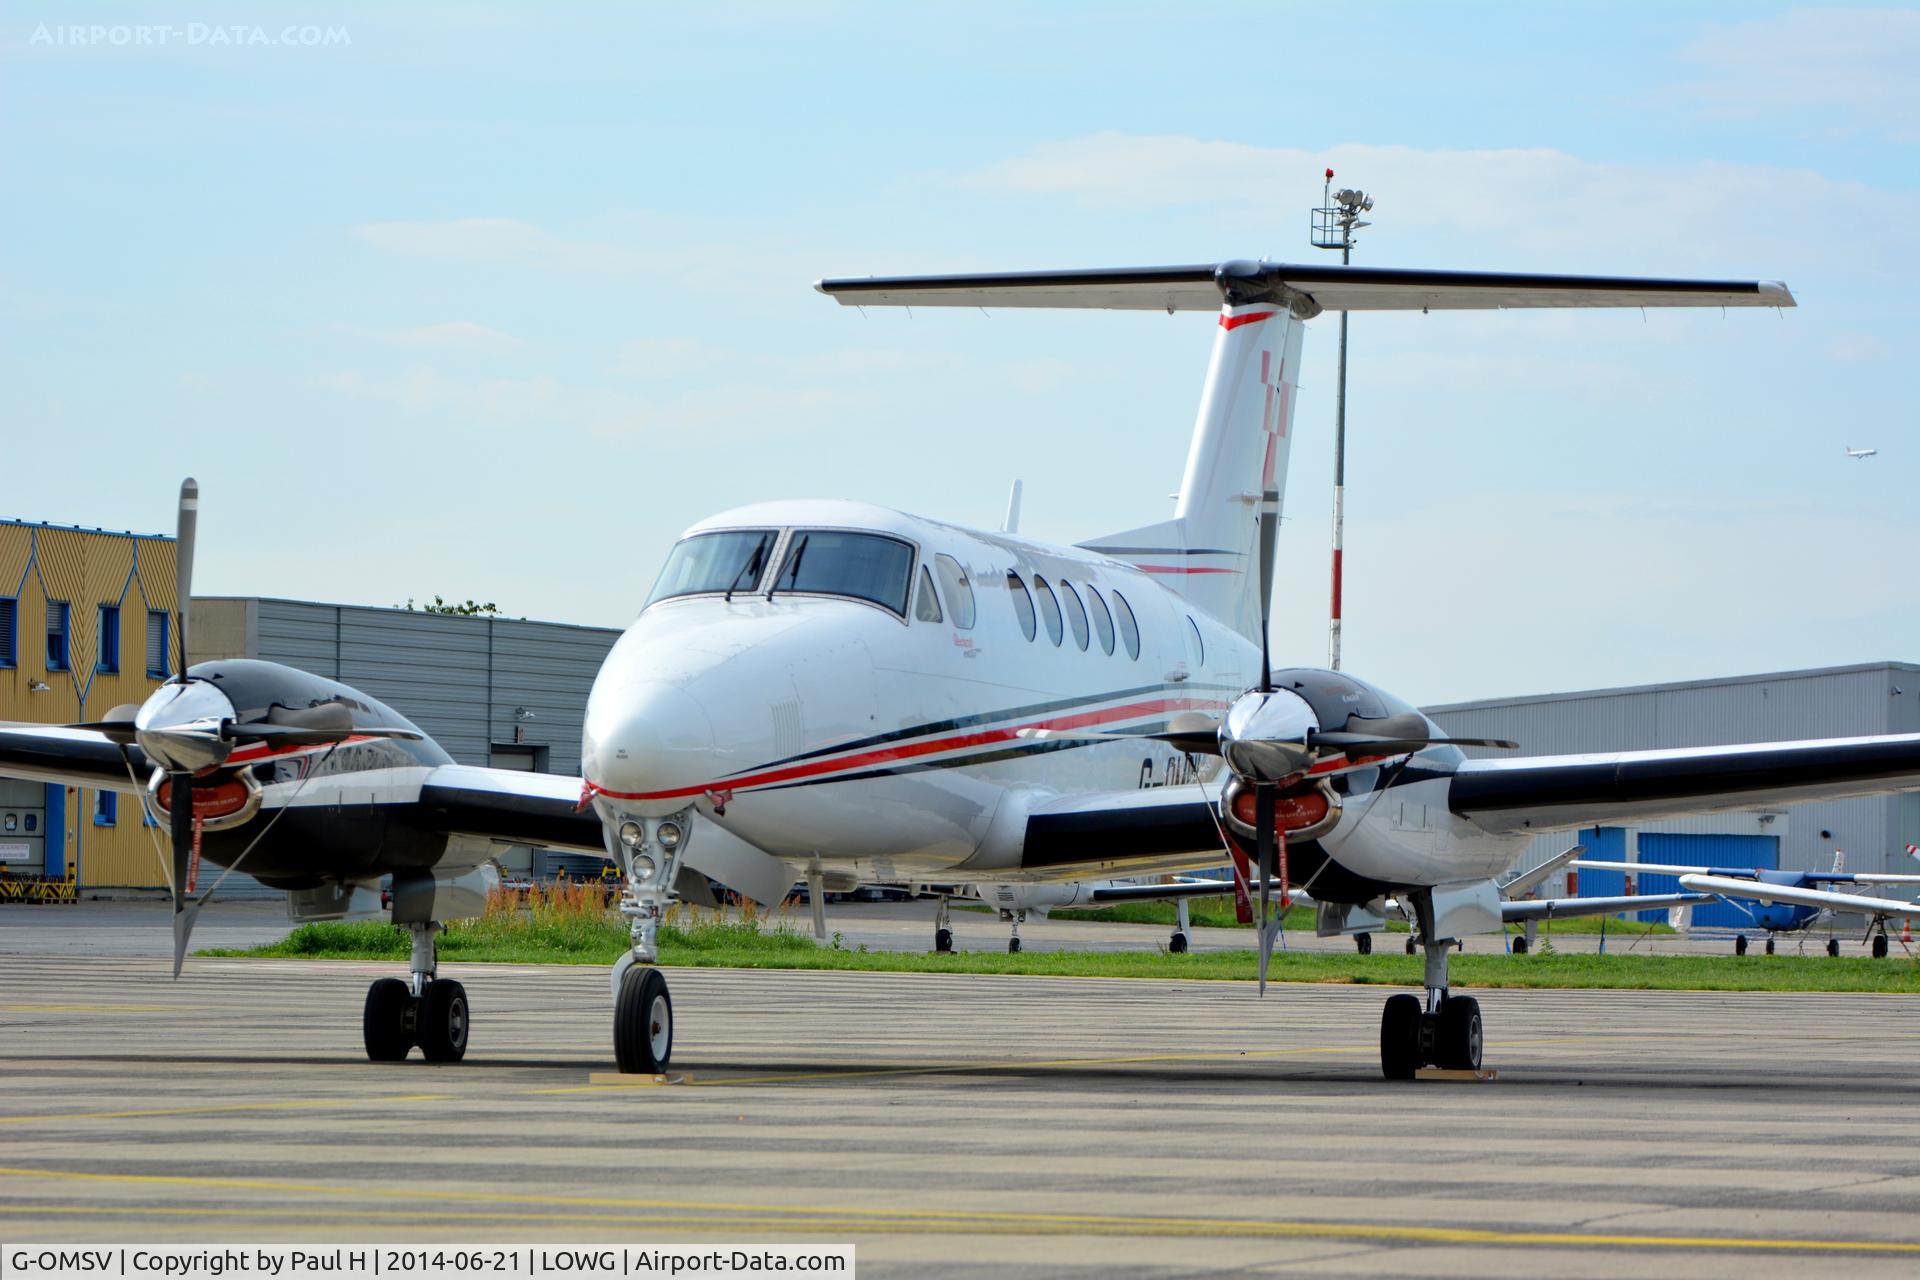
(57, 634)
(108, 658)
(157, 637)
(1022, 604)
(106, 808)
(9, 632)
(1129, 629)
(726, 561)
(1076, 614)
(1102, 620)
(1049, 608)
(959, 591)
(837, 562)
(926, 605)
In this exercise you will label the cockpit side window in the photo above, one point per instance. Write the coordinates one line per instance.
(840, 562)
(1022, 603)
(1049, 608)
(959, 592)
(727, 560)
(926, 605)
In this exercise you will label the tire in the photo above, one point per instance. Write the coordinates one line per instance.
(1177, 944)
(1879, 946)
(1363, 943)
(943, 940)
(1013, 946)
(1456, 1035)
(1412, 946)
(1769, 946)
(445, 1019)
(1520, 945)
(1400, 1037)
(643, 1022)
(383, 1023)
(1740, 944)
(1833, 946)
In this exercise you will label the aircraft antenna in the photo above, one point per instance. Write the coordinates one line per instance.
(1332, 228)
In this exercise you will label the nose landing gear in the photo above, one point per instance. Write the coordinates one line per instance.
(1446, 1033)
(651, 850)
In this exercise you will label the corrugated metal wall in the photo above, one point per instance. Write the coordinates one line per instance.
(468, 682)
(1782, 706)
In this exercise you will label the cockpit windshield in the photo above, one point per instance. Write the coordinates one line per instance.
(837, 562)
(726, 561)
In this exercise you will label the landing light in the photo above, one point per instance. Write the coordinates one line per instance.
(669, 834)
(643, 867)
(631, 834)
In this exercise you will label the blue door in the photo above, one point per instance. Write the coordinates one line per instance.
(1758, 852)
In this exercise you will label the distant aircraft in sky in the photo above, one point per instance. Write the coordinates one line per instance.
(1861, 453)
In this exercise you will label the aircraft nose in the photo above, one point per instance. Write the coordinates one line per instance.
(649, 746)
(179, 725)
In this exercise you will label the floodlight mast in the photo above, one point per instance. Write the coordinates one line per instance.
(1333, 226)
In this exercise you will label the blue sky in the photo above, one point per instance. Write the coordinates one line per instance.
(494, 300)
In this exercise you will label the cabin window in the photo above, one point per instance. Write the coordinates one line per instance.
(57, 635)
(1102, 620)
(1129, 629)
(1049, 608)
(1022, 603)
(1076, 614)
(959, 592)
(723, 562)
(1195, 643)
(926, 605)
(157, 643)
(838, 562)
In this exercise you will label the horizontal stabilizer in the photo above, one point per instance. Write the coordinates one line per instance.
(1307, 289)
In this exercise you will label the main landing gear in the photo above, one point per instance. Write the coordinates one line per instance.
(1445, 1032)
(1182, 929)
(425, 1010)
(651, 850)
(942, 929)
(1013, 941)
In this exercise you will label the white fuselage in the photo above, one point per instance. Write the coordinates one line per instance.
(872, 738)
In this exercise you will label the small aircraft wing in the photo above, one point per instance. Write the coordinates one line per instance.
(1312, 288)
(1129, 832)
(1727, 887)
(1564, 908)
(1107, 893)
(1548, 793)
(511, 805)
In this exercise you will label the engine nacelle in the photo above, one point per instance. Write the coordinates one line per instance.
(1304, 813)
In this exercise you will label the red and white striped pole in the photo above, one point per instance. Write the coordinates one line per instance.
(1339, 464)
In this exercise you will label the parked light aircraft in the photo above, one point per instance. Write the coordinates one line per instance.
(1793, 911)
(903, 699)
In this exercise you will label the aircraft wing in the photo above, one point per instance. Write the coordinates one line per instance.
(1106, 893)
(510, 805)
(1562, 908)
(69, 757)
(1548, 793)
(1131, 832)
(1316, 287)
(1727, 887)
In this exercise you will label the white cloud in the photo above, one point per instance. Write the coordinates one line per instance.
(454, 335)
(1826, 71)
(1534, 208)
(664, 357)
(509, 242)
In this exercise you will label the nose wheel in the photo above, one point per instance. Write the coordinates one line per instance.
(1446, 1032)
(394, 1020)
(643, 1022)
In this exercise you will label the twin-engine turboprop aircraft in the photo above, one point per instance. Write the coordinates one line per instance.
(826, 686)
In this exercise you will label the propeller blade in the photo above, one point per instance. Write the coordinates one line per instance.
(1397, 746)
(116, 726)
(323, 717)
(180, 802)
(1194, 732)
(294, 736)
(183, 560)
(1269, 504)
(1265, 820)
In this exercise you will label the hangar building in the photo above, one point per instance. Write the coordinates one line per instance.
(1874, 698)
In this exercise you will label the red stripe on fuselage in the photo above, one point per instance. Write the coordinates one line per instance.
(913, 750)
(1183, 568)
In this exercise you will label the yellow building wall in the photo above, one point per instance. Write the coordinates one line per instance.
(87, 568)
